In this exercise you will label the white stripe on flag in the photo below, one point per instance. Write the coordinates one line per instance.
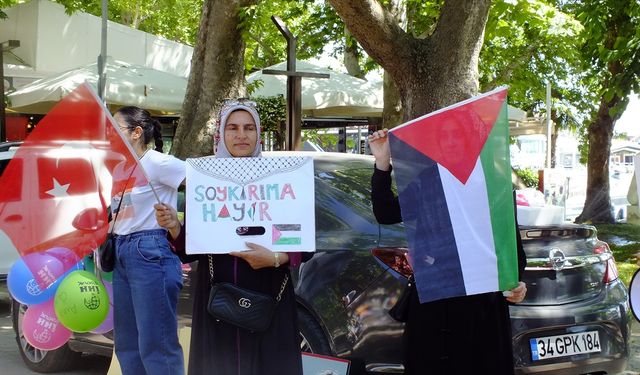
(471, 221)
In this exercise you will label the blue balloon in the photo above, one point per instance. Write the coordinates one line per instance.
(25, 289)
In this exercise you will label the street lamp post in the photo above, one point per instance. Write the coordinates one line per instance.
(6, 46)
(294, 87)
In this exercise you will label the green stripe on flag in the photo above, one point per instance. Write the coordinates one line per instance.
(288, 241)
(497, 173)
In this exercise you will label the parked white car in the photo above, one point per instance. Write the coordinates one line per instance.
(8, 253)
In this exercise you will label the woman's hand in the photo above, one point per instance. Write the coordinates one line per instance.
(379, 146)
(167, 217)
(517, 294)
(260, 257)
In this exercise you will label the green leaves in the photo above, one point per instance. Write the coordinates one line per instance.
(176, 20)
(313, 23)
(272, 112)
(6, 4)
(611, 48)
(526, 44)
(528, 176)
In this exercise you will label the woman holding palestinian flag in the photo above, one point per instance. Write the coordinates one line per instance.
(468, 334)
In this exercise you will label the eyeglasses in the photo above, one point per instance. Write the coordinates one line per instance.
(229, 102)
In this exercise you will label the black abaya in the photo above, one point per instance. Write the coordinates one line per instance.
(223, 349)
(462, 335)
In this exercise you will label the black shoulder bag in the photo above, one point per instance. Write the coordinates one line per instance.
(107, 251)
(244, 308)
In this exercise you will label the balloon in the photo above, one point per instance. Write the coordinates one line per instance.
(68, 258)
(24, 288)
(81, 302)
(46, 269)
(107, 325)
(42, 329)
(90, 266)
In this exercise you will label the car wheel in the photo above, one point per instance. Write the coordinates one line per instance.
(312, 336)
(36, 359)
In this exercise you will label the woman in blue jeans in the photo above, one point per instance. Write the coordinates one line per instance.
(147, 276)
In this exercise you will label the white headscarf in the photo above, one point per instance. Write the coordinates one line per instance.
(219, 148)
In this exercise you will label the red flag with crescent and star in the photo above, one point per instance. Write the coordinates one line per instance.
(57, 187)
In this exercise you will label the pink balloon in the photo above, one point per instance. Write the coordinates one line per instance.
(46, 269)
(68, 258)
(42, 329)
(107, 324)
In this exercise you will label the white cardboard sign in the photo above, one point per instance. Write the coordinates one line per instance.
(268, 201)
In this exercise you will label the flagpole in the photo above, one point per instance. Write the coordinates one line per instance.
(548, 120)
(102, 58)
(101, 86)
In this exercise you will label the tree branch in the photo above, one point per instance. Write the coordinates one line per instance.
(246, 3)
(266, 48)
(376, 29)
(505, 75)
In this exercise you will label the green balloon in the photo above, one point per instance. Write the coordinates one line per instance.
(81, 302)
(90, 266)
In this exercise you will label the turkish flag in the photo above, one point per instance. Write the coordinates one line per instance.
(56, 189)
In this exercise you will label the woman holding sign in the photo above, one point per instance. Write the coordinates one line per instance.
(221, 347)
(458, 335)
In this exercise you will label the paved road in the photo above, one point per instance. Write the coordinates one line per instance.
(633, 368)
(11, 362)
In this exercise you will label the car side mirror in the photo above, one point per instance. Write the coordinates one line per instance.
(89, 220)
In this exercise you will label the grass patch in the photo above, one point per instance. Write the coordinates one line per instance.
(611, 232)
(624, 241)
(626, 271)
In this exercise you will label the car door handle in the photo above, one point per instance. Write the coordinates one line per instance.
(13, 218)
(347, 299)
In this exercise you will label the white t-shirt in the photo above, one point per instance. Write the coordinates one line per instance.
(165, 173)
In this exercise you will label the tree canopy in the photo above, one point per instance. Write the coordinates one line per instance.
(588, 50)
(610, 53)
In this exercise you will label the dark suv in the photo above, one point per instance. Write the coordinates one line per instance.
(345, 291)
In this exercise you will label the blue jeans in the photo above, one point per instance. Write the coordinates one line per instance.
(147, 279)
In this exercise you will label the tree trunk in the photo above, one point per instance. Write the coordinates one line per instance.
(430, 73)
(597, 205)
(217, 72)
(352, 55)
(392, 111)
(447, 64)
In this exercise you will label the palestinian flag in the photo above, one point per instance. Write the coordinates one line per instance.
(453, 175)
(286, 234)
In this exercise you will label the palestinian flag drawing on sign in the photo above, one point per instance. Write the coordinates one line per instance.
(453, 175)
(286, 234)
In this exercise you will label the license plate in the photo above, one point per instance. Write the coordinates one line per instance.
(565, 345)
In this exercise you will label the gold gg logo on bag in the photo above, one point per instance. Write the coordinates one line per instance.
(244, 302)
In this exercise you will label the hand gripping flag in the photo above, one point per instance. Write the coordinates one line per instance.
(56, 189)
(453, 175)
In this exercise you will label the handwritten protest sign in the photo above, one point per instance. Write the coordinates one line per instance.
(268, 201)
